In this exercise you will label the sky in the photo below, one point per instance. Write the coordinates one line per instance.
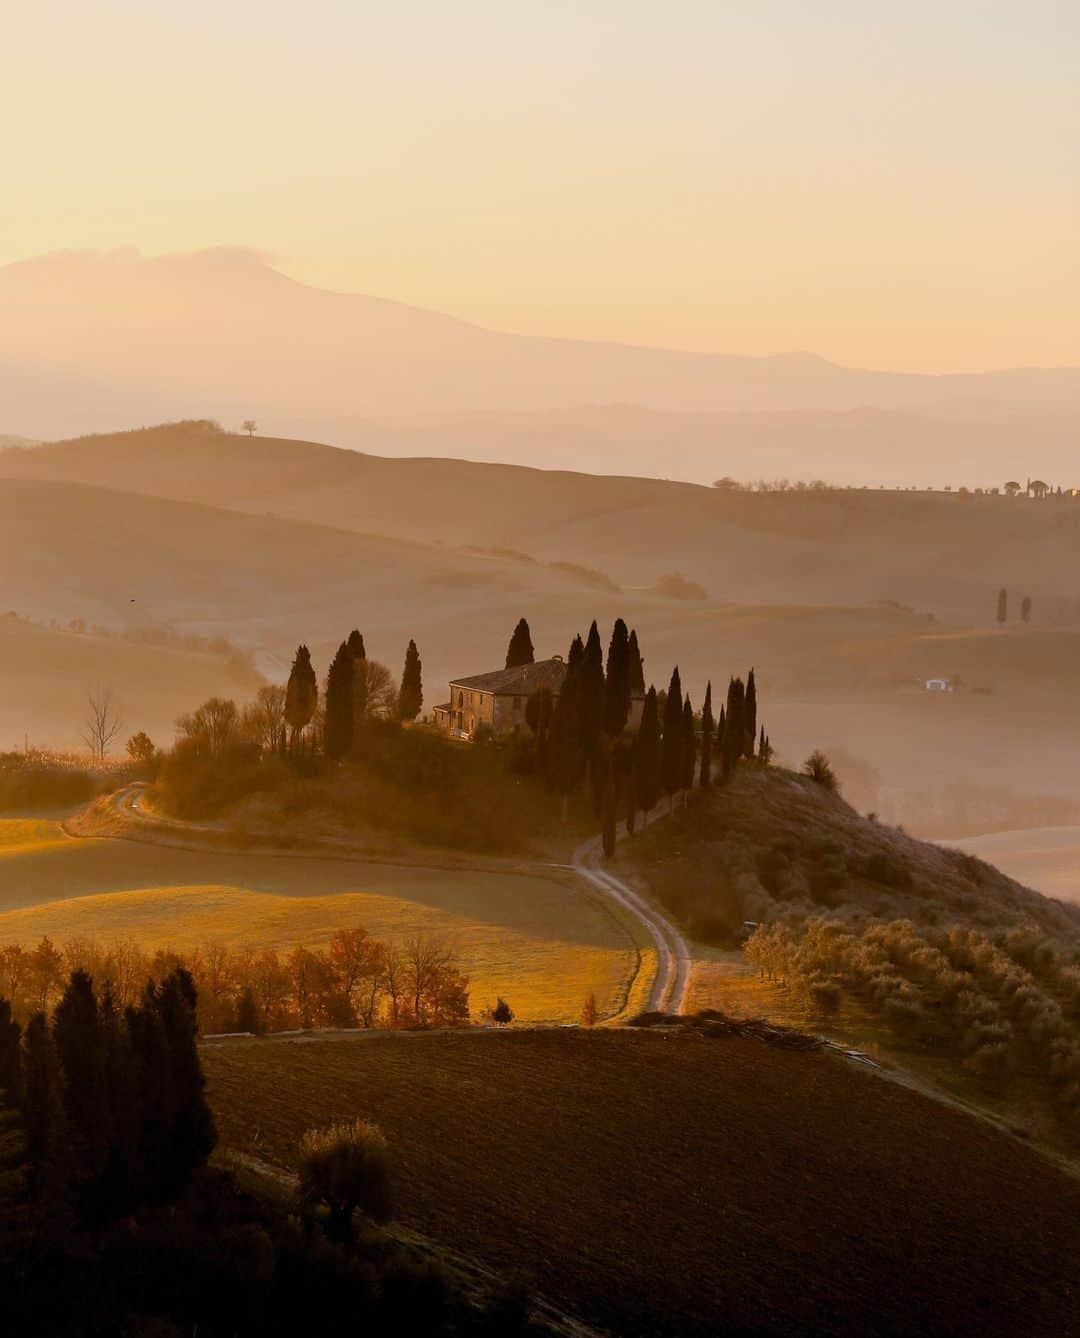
(886, 185)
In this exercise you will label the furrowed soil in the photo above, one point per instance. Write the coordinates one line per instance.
(660, 1183)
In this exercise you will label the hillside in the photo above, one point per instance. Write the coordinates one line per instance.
(931, 551)
(93, 340)
(771, 844)
(46, 674)
(669, 1184)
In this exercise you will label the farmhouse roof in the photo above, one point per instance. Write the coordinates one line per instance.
(521, 681)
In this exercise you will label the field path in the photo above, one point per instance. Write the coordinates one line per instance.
(674, 960)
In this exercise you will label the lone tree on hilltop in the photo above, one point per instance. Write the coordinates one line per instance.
(1002, 605)
(502, 1013)
(707, 726)
(1012, 488)
(1025, 609)
(338, 725)
(520, 650)
(411, 694)
(250, 426)
(346, 1166)
(672, 744)
(301, 693)
(617, 682)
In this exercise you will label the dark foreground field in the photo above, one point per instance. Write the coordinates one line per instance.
(673, 1184)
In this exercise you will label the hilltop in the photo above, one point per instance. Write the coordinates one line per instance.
(771, 844)
(94, 339)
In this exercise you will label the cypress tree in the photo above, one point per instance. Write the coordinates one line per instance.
(706, 738)
(152, 1081)
(192, 1134)
(721, 735)
(592, 688)
(565, 755)
(617, 682)
(647, 759)
(248, 1017)
(355, 643)
(1002, 605)
(672, 743)
(80, 1047)
(121, 1190)
(750, 715)
(689, 743)
(520, 650)
(411, 694)
(42, 1112)
(637, 666)
(734, 727)
(338, 722)
(539, 709)
(301, 694)
(631, 796)
(10, 1058)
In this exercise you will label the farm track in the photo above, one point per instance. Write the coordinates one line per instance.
(674, 959)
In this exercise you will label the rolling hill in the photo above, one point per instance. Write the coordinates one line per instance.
(96, 340)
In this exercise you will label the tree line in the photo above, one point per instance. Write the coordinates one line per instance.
(995, 1001)
(584, 741)
(356, 981)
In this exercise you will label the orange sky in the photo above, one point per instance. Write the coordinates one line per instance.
(885, 185)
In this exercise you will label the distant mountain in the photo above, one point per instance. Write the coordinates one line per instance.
(93, 341)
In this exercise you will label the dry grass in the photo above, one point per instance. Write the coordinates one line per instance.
(672, 1184)
(27, 834)
(542, 944)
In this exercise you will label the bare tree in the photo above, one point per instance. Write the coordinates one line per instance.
(250, 426)
(103, 721)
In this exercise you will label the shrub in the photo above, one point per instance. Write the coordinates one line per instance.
(502, 1013)
(818, 767)
(346, 1167)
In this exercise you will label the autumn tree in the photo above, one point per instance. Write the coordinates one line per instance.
(411, 692)
(140, 748)
(590, 1014)
(520, 650)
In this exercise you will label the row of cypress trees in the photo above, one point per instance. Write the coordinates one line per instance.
(346, 696)
(582, 733)
(111, 1103)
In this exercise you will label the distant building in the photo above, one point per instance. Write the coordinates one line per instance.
(497, 699)
(939, 685)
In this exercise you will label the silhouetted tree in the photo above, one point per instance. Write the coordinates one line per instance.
(707, 726)
(576, 653)
(520, 650)
(565, 753)
(502, 1013)
(80, 1046)
(672, 744)
(10, 1057)
(617, 681)
(689, 755)
(636, 666)
(818, 767)
(1025, 609)
(346, 1167)
(1002, 605)
(631, 795)
(42, 1112)
(411, 694)
(192, 1134)
(592, 687)
(301, 693)
(647, 755)
(361, 680)
(764, 748)
(750, 715)
(539, 708)
(734, 726)
(338, 722)
(248, 1017)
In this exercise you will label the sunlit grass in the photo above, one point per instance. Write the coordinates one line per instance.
(28, 834)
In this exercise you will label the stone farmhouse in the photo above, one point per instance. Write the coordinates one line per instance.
(497, 699)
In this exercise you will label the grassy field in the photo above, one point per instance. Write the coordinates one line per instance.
(543, 943)
(674, 1184)
(28, 834)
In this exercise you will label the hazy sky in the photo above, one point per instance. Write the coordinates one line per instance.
(886, 184)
